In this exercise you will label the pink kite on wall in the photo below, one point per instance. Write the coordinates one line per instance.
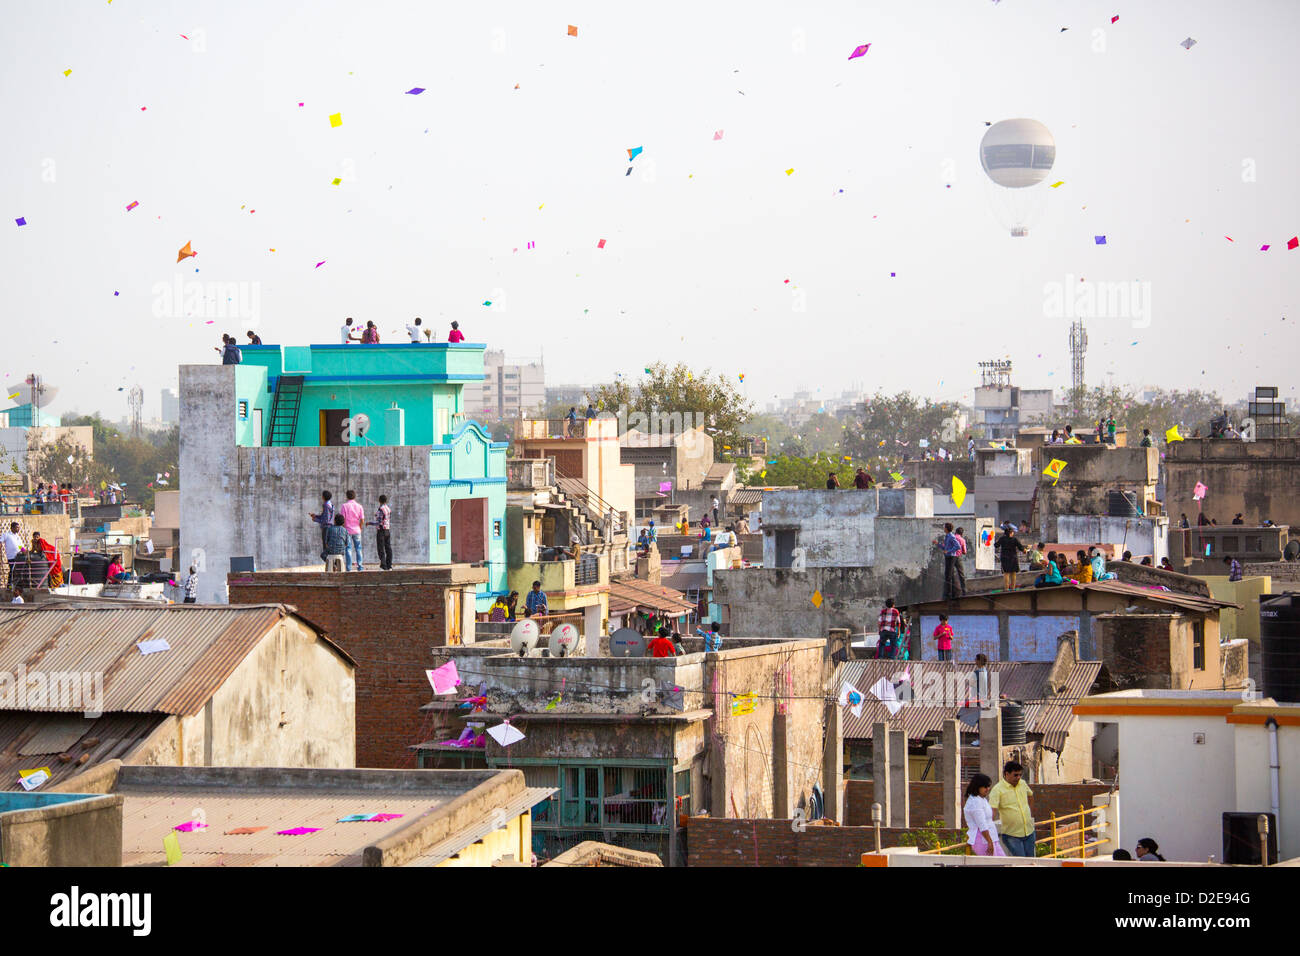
(1200, 491)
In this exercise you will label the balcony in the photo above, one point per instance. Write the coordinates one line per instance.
(530, 474)
(538, 429)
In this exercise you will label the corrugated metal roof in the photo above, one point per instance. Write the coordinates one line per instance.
(1045, 713)
(754, 496)
(628, 593)
(207, 643)
(113, 736)
(986, 599)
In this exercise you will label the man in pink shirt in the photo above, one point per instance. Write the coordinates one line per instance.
(354, 516)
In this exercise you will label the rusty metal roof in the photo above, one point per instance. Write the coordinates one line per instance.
(105, 738)
(984, 600)
(207, 644)
(626, 594)
(1046, 713)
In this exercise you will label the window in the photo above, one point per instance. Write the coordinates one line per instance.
(442, 532)
(683, 791)
(1198, 645)
(243, 409)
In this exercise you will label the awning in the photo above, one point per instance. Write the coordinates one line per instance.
(631, 594)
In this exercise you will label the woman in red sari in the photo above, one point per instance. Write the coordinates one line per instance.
(41, 546)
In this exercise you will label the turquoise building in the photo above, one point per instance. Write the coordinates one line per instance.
(372, 397)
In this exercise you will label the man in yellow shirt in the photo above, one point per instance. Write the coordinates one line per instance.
(1009, 799)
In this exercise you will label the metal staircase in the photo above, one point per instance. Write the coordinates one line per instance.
(284, 410)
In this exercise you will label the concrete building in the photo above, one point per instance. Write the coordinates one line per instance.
(1187, 758)
(425, 817)
(170, 407)
(1145, 636)
(508, 390)
(588, 468)
(20, 445)
(856, 548)
(232, 687)
(1002, 409)
(389, 620)
(631, 744)
(378, 419)
(682, 458)
(1260, 479)
(1090, 475)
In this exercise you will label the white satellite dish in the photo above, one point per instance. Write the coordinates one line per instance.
(21, 394)
(563, 641)
(626, 642)
(524, 637)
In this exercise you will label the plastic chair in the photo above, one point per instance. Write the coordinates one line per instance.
(334, 563)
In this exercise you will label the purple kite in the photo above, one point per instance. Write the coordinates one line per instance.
(415, 91)
(859, 51)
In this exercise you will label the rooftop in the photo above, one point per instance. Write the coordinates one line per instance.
(991, 600)
(437, 813)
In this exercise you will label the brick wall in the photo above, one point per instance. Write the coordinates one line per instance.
(1049, 798)
(388, 621)
(715, 842)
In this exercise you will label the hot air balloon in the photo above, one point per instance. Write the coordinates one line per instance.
(1017, 155)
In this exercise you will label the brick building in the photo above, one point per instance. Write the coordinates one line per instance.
(388, 621)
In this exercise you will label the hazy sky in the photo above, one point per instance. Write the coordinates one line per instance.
(1170, 150)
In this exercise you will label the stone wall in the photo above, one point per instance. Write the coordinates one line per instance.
(1260, 479)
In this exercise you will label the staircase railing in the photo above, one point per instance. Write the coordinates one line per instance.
(599, 511)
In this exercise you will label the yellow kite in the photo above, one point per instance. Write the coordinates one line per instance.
(1053, 469)
(1171, 434)
(958, 492)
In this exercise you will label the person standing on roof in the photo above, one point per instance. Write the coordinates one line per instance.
(414, 331)
(536, 602)
(1009, 547)
(347, 333)
(455, 335)
(951, 555)
(354, 517)
(890, 623)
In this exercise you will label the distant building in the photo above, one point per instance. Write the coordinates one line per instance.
(171, 407)
(1002, 409)
(507, 390)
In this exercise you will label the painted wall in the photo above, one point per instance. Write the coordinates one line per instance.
(1253, 779)
(470, 465)
(1172, 791)
(1261, 479)
(839, 528)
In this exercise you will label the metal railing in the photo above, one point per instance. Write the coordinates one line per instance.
(1055, 835)
(608, 519)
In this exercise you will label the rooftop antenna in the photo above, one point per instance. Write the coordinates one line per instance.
(135, 399)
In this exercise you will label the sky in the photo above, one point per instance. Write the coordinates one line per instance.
(878, 263)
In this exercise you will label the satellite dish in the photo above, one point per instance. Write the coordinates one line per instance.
(563, 641)
(21, 394)
(524, 637)
(626, 642)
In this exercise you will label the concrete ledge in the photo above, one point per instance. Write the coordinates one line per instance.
(136, 778)
(466, 810)
(594, 853)
(76, 833)
(101, 778)
(314, 575)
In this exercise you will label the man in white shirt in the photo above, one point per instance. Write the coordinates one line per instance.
(415, 332)
(346, 332)
(18, 596)
(12, 542)
(715, 511)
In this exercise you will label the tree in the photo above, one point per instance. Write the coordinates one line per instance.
(680, 397)
(803, 472)
(885, 425)
(65, 461)
(140, 466)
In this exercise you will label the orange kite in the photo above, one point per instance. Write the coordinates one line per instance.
(185, 252)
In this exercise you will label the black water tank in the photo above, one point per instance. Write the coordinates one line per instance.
(1279, 647)
(1013, 725)
(92, 566)
(1122, 504)
(1241, 839)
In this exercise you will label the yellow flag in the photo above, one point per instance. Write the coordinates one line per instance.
(958, 492)
(1171, 434)
(172, 846)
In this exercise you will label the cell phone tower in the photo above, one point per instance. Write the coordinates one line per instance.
(1078, 345)
(135, 399)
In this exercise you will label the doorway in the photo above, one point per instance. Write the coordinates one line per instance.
(469, 530)
(331, 426)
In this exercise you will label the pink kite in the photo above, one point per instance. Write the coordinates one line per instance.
(190, 827)
(1199, 491)
(444, 679)
(298, 831)
(859, 51)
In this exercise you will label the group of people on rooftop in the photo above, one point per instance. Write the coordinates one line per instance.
(232, 354)
(340, 531)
